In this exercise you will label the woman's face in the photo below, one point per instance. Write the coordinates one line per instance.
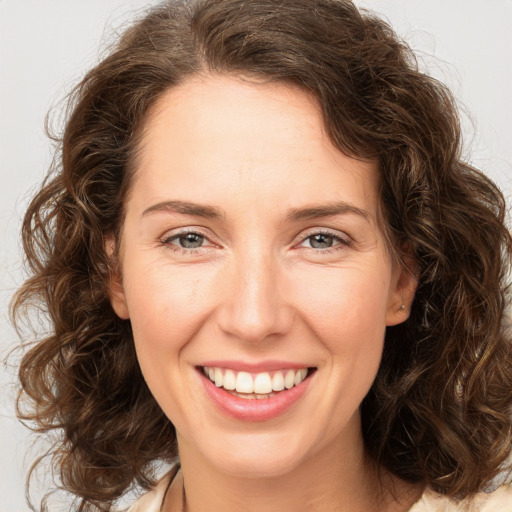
(251, 252)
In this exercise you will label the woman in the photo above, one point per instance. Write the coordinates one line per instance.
(262, 252)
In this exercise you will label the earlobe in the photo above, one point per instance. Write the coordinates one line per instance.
(115, 287)
(399, 306)
(118, 299)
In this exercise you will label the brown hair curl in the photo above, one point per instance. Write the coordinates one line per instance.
(439, 410)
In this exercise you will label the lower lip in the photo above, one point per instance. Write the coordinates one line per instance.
(247, 409)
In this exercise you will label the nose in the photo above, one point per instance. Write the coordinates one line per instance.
(254, 307)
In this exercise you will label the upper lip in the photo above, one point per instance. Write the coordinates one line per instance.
(255, 367)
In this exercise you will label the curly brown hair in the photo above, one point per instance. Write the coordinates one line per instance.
(439, 409)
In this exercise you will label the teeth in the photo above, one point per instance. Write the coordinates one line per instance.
(218, 377)
(278, 381)
(229, 380)
(289, 380)
(262, 385)
(251, 396)
(244, 383)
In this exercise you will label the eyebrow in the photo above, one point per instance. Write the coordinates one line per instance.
(296, 214)
(327, 210)
(186, 208)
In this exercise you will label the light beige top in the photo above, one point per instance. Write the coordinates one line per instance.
(498, 501)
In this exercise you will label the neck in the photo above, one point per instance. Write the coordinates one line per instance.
(341, 480)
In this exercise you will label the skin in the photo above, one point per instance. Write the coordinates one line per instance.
(257, 290)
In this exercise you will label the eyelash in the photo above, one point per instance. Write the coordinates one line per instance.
(167, 242)
(341, 242)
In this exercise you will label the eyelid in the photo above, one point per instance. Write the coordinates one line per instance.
(342, 239)
(170, 235)
(173, 234)
(340, 235)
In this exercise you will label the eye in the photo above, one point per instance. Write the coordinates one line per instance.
(324, 241)
(185, 241)
(188, 240)
(320, 241)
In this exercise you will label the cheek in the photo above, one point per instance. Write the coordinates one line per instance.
(338, 301)
(166, 309)
(346, 310)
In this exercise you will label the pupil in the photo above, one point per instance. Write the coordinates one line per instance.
(321, 241)
(191, 240)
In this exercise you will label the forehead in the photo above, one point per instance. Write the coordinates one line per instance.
(223, 136)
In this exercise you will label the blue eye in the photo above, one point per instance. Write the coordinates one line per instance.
(321, 241)
(324, 241)
(188, 240)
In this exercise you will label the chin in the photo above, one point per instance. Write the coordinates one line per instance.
(257, 468)
(258, 456)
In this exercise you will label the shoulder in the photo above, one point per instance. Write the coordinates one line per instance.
(153, 499)
(498, 501)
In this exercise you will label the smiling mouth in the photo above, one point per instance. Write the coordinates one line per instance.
(262, 385)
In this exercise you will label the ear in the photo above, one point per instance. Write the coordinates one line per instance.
(115, 287)
(405, 282)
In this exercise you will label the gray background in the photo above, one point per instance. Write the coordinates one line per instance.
(45, 46)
